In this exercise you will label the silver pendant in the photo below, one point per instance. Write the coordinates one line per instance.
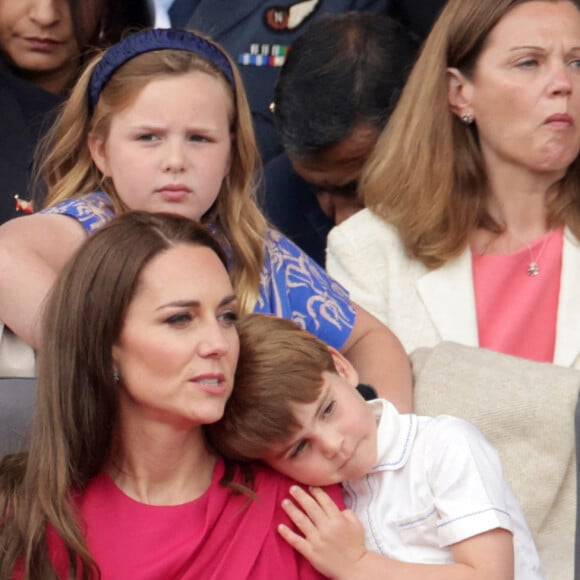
(533, 269)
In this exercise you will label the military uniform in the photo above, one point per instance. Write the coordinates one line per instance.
(257, 34)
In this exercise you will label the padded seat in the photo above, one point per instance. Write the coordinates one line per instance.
(17, 398)
(526, 410)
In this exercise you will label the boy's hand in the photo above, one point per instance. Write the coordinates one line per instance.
(332, 540)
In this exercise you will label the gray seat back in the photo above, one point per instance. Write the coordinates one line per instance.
(17, 398)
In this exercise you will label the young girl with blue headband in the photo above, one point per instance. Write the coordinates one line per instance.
(161, 122)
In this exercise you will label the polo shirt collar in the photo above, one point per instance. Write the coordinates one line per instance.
(395, 435)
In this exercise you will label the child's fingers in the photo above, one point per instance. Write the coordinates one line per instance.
(324, 501)
(300, 519)
(316, 504)
(308, 503)
(295, 540)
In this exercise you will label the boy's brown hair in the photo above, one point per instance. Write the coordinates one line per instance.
(280, 364)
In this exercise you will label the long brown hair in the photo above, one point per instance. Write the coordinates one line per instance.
(69, 171)
(100, 23)
(426, 175)
(77, 398)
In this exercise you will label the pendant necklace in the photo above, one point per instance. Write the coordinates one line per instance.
(534, 266)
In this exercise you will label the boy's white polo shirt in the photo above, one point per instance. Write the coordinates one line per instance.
(437, 481)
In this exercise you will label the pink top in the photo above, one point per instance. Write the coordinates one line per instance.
(516, 312)
(218, 536)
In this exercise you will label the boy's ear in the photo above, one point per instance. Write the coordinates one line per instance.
(343, 367)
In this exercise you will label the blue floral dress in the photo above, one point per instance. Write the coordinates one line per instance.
(292, 285)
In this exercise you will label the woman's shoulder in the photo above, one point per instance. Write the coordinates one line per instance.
(366, 236)
(277, 485)
(364, 225)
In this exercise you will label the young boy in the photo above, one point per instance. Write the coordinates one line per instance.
(429, 492)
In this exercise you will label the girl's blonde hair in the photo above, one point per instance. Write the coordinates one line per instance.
(69, 171)
(426, 175)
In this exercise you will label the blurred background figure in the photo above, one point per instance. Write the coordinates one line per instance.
(43, 46)
(333, 97)
(417, 15)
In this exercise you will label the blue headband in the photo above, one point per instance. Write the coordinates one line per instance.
(147, 41)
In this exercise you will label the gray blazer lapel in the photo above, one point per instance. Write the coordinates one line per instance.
(449, 298)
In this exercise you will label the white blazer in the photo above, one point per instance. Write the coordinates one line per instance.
(424, 307)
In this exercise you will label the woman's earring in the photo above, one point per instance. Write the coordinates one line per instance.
(467, 118)
(116, 376)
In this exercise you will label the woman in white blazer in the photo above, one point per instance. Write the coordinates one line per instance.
(473, 192)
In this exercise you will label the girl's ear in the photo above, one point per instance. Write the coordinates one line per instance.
(459, 92)
(98, 151)
(343, 367)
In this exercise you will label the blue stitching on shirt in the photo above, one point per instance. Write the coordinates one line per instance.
(412, 419)
(421, 519)
(369, 518)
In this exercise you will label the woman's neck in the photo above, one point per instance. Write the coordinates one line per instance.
(507, 177)
(56, 82)
(523, 215)
(518, 197)
(518, 200)
(161, 465)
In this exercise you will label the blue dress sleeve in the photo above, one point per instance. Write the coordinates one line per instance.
(293, 286)
(92, 211)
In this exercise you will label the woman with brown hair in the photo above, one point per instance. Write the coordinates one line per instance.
(139, 352)
(473, 192)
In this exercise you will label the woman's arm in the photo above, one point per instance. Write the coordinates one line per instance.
(33, 250)
(380, 360)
